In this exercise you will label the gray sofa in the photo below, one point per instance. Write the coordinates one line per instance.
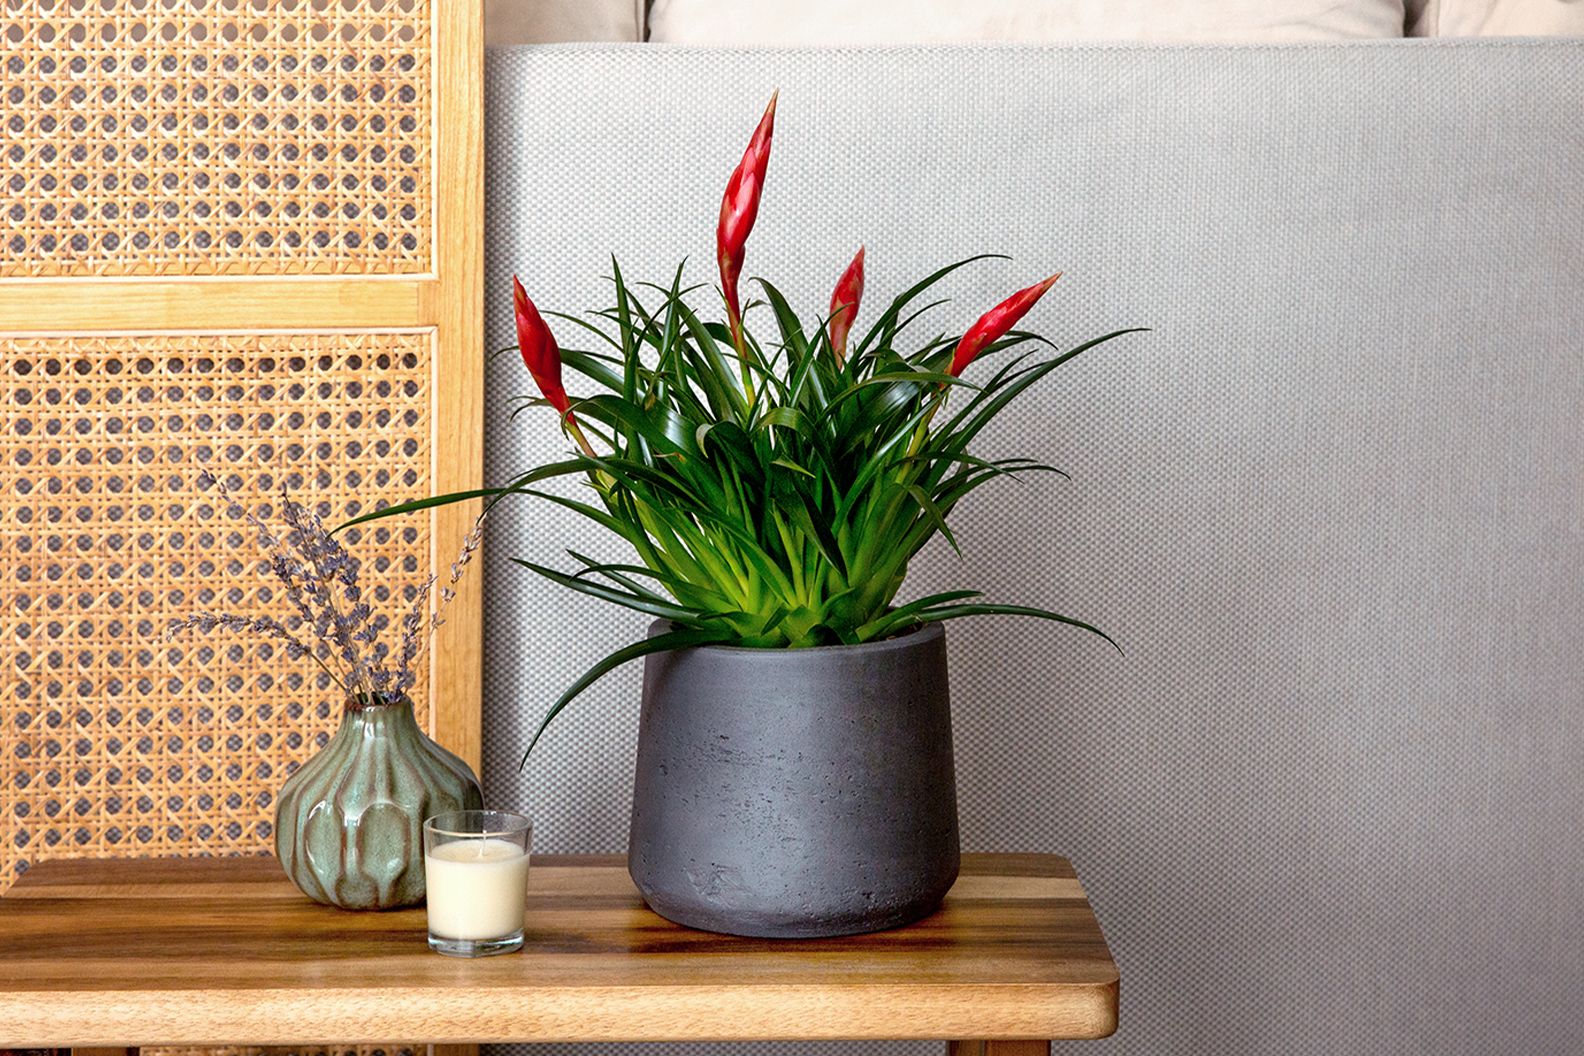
(1332, 797)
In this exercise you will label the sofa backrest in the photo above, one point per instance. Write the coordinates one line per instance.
(1332, 506)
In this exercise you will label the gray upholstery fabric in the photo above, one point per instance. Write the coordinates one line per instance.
(1332, 799)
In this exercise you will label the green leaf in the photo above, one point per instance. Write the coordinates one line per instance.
(593, 367)
(984, 413)
(622, 574)
(736, 448)
(935, 516)
(906, 615)
(661, 609)
(786, 319)
(616, 526)
(523, 484)
(416, 505)
(800, 509)
(554, 469)
(952, 612)
(629, 344)
(661, 427)
(885, 326)
(785, 417)
(668, 353)
(786, 463)
(682, 638)
(710, 363)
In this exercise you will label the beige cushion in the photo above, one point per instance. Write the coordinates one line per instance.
(553, 21)
(1496, 18)
(831, 22)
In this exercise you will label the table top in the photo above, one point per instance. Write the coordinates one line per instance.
(226, 951)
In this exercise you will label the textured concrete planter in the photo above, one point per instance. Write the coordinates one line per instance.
(794, 793)
(349, 822)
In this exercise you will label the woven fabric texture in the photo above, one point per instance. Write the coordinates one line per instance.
(116, 742)
(1332, 797)
(227, 137)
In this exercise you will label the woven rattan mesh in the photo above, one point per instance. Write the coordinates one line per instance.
(147, 137)
(115, 743)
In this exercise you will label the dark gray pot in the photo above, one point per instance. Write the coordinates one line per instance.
(796, 793)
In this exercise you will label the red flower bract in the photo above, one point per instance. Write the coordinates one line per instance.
(540, 353)
(844, 302)
(739, 209)
(994, 324)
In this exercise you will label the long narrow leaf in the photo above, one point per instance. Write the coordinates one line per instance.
(682, 638)
(952, 612)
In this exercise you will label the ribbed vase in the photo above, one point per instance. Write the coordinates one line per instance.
(349, 823)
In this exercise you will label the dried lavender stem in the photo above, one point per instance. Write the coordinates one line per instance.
(314, 568)
(470, 547)
(318, 548)
(290, 572)
(208, 621)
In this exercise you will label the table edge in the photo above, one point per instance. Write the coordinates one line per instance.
(79, 871)
(655, 1013)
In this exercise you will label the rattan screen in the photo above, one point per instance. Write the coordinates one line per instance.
(243, 236)
(118, 742)
(219, 137)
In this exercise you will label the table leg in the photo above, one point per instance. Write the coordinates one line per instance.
(998, 1048)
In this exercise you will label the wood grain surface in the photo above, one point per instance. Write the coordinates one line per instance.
(225, 952)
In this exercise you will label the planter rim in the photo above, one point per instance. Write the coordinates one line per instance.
(920, 634)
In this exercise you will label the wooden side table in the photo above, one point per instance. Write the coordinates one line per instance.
(226, 952)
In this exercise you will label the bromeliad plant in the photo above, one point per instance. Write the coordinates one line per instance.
(774, 489)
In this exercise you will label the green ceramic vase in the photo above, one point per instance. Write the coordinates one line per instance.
(349, 823)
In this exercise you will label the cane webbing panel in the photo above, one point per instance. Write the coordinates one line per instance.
(116, 743)
(145, 137)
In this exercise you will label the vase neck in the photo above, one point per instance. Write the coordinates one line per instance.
(380, 719)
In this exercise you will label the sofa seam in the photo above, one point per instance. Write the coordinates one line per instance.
(1379, 43)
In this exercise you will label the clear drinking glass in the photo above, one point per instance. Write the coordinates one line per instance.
(476, 870)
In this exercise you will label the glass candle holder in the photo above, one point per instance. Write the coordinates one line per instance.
(476, 871)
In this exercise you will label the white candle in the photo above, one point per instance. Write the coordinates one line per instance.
(477, 888)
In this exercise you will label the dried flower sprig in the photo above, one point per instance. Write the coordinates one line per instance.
(320, 578)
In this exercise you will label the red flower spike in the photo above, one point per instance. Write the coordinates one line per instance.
(540, 353)
(739, 209)
(542, 357)
(994, 324)
(844, 305)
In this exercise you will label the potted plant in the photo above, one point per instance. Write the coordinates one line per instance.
(349, 821)
(794, 772)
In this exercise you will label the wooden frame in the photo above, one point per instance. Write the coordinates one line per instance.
(457, 719)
